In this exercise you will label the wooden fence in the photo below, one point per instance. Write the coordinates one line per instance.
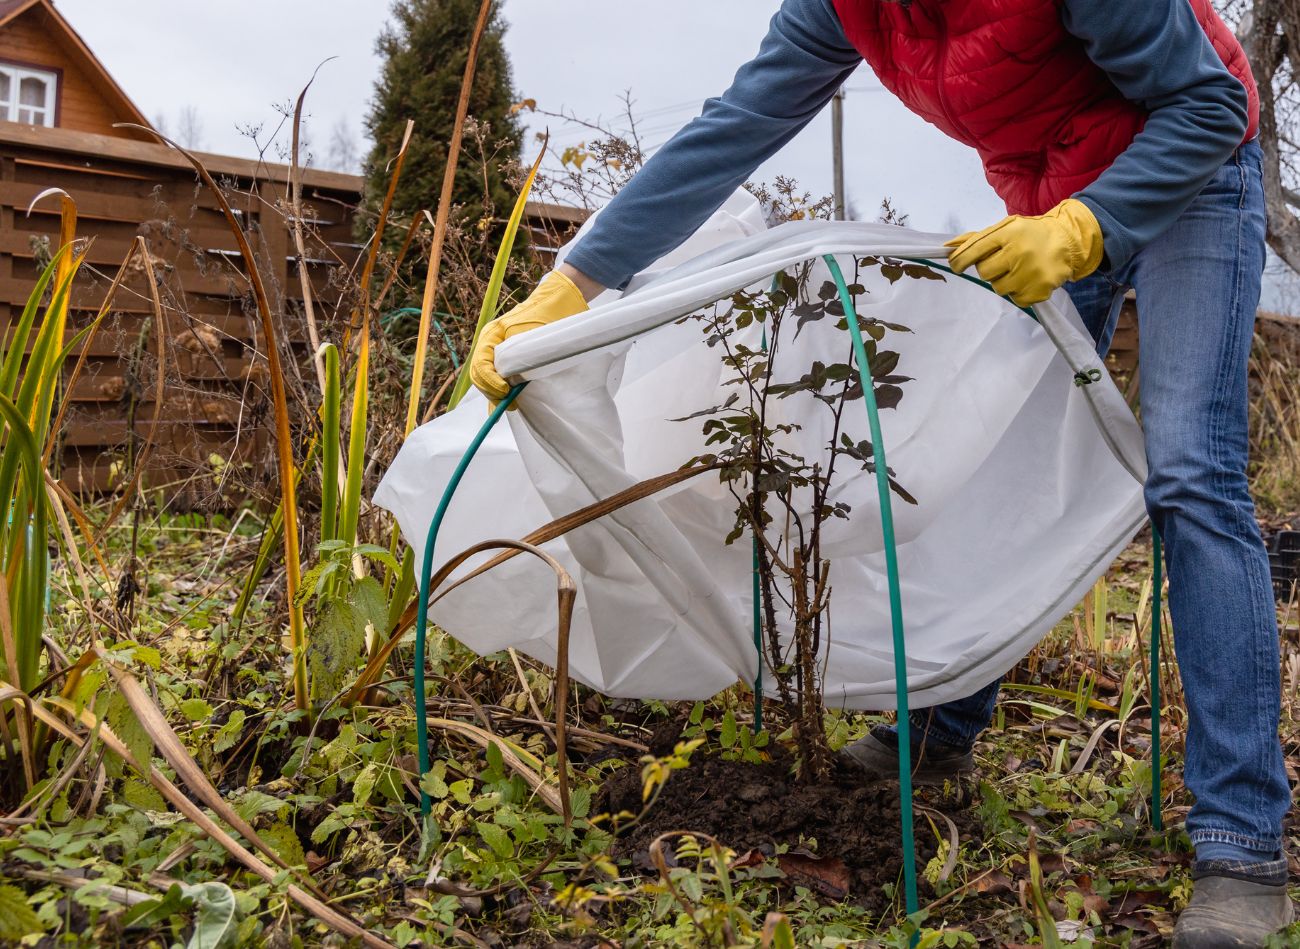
(1277, 333)
(213, 403)
(124, 189)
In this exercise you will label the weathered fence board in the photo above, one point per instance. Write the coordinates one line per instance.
(127, 189)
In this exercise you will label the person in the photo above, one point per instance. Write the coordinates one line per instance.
(1122, 138)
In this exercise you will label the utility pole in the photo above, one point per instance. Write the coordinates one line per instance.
(837, 151)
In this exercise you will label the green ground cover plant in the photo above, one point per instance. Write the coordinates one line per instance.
(107, 859)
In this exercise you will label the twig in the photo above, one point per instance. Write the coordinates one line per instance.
(967, 885)
(523, 683)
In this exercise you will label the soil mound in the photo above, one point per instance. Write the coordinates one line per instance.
(843, 834)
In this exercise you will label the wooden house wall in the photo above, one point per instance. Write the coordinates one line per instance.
(32, 38)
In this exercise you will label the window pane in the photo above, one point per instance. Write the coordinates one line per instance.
(31, 92)
(5, 85)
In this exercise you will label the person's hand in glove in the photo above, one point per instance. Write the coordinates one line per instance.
(1027, 258)
(556, 297)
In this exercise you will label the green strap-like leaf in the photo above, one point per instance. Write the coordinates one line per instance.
(24, 534)
(329, 503)
(489, 309)
(13, 355)
(350, 511)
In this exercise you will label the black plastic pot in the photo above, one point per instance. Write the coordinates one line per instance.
(1284, 563)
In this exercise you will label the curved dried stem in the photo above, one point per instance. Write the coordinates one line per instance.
(556, 528)
(51, 790)
(954, 841)
(186, 768)
(9, 693)
(368, 270)
(399, 259)
(300, 245)
(280, 399)
(565, 592)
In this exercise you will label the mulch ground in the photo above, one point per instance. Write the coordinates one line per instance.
(842, 835)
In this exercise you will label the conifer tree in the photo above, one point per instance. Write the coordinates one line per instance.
(424, 49)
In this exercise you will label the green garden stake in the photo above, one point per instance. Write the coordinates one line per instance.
(895, 596)
(426, 571)
(1157, 581)
(758, 644)
(758, 610)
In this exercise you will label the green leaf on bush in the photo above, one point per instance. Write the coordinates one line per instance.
(580, 800)
(16, 917)
(336, 647)
(364, 785)
(496, 838)
(434, 781)
(196, 710)
(727, 736)
(152, 912)
(128, 728)
(231, 732)
(252, 804)
(368, 600)
(142, 795)
(285, 843)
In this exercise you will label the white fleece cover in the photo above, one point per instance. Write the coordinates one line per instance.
(1028, 484)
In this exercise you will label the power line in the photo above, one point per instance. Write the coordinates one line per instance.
(837, 151)
(667, 109)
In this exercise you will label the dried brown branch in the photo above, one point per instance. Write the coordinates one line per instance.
(1270, 33)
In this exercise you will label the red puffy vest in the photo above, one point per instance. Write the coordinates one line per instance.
(1005, 77)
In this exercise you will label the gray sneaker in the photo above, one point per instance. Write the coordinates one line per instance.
(876, 754)
(1230, 911)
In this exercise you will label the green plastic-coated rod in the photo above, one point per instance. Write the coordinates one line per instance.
(895, 595)
(1028, 310)
(758, 644)
(426, 571)
(1157, 581)
(758, 598)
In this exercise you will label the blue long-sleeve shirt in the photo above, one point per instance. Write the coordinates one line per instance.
(1154, 51)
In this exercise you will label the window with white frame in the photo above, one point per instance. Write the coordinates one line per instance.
(27, 95)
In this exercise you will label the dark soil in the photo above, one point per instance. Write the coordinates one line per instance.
(755, 807)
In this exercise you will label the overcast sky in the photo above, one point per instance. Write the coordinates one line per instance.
(232, 63)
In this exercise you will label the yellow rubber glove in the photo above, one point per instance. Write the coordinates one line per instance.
(1027, 258)
(555, 298)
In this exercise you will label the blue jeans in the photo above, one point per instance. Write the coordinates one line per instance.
(1197, 290)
